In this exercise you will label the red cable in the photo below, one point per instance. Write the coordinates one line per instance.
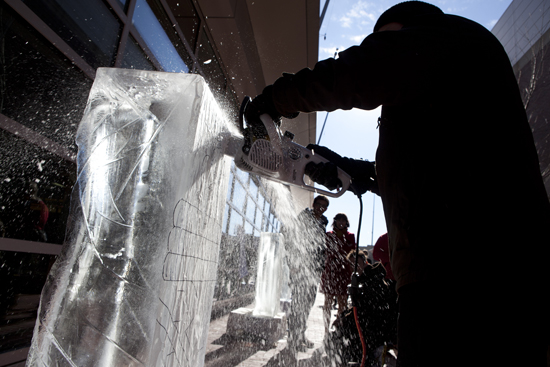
(363, 343)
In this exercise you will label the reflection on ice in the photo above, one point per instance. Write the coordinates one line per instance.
(135, 281)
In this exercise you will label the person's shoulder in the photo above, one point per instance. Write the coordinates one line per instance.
(381, 242)
(468, 30)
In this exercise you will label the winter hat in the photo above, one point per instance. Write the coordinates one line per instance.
(405, 12)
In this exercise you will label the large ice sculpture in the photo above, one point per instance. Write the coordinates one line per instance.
(270, 274)
(135, 280)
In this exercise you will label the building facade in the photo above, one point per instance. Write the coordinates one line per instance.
(49, 54)
(524, 31)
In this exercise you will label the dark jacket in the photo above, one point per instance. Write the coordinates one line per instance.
(456, 164)
(338, 269)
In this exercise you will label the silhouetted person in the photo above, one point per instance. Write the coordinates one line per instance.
(456, 168)
(381, 253)
(337, 273)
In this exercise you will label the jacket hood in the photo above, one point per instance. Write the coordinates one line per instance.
(406, 13)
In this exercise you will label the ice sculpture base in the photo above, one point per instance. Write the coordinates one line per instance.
(241, 323)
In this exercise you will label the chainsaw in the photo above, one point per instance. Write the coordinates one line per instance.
(269, 153)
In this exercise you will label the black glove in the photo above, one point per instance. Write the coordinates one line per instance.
(261, 104)
(363, 173)
(325, 174)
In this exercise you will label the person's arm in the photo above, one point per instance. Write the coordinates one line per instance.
(364, 76)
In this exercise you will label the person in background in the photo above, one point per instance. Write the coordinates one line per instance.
(372, 312)
(306, 259)
(456, 167)
(337, 273)
(29, 214)
(381, 253)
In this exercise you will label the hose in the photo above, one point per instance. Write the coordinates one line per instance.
(354, 281)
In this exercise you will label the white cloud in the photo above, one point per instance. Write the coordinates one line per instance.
(492, 23)
(358, 39)
(361, 12)
(345, 22)
(325, 52)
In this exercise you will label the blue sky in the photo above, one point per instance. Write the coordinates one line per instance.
(353, 133)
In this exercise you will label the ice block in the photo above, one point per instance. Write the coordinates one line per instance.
(135, 280)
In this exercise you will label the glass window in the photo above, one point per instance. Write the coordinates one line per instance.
(225, 217)
(270, 220)
(239, 196)
(253, 188)
(259, 216)
(248, 229)
(171, 30)
(124, 5)
(35, 188)
(45, 92)
(235, 222)
(243, 176)
(89, 27)
(250, 209)
(50, 100)
(134, 57)
(261, 202)
(23, 276)
(188, 20)
(156, 39)
(42, 89)
(211, 67)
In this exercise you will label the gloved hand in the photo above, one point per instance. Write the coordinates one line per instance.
(263, 103)
(363, 173)
(325, 174)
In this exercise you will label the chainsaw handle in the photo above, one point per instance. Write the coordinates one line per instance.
(342, 176)
(244, 105)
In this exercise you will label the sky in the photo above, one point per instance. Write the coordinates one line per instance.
(353, 133)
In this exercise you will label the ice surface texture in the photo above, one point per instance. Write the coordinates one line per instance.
(135, 280)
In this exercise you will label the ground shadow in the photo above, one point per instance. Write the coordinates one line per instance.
(234, 350)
